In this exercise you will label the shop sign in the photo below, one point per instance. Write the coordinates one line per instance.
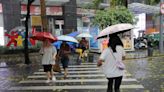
(35, 10)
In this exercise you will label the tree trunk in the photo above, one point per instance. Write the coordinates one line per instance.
(43, 16)
(26, 54)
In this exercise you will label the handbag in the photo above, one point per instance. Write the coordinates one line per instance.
(119, 64)
(56, 68)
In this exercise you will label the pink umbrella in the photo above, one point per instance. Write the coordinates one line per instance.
(117, 28)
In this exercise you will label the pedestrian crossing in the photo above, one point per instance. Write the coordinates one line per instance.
(85, 77)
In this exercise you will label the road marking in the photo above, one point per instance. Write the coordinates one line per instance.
(73, 87)
(73, 76)
(74, 80)
(73, 69)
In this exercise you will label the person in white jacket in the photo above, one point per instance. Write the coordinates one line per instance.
(108, 62)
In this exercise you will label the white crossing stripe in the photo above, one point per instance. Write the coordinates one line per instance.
(70, 72)
(73, 76)
(82, 66)
(77, 69)
(134, 86)
(74, 80)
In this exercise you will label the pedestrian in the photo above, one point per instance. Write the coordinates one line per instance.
(64, 52)
(48, 59)
(84, 44)
(108, 62)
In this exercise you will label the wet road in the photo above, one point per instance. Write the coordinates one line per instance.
(149, 71)
(146, 72)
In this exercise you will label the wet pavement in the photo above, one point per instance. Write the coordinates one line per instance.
(142, 75)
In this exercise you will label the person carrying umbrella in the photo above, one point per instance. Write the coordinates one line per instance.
(48, 59)
(64, 51)
(108, 62)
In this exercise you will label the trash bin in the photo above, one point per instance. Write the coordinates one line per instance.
(90, 57)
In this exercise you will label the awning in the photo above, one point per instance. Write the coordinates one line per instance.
(143, 8)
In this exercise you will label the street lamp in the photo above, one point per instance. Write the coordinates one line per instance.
(161, 27)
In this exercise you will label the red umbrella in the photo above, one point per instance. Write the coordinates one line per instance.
(42, 36)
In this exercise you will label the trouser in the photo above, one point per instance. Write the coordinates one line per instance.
(117, 83)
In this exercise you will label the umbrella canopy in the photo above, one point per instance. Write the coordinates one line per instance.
(86, 35)
(67, 38)
(73, 34)
(118, 28)
(18, 28)
(42, 36)
(57, 44)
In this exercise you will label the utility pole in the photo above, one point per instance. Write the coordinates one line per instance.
(43, 16)
(161, 27)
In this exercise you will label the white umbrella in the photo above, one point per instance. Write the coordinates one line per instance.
(67, 38)
(87, 35)
(18, 28)
(118, 28)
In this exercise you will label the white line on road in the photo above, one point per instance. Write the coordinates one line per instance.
(74, 80)
(26, 88)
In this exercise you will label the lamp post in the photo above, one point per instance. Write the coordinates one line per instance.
(161, 27)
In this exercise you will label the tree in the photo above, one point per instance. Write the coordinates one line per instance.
(43, 15)
(104, 18)
(152, 2)
(114, 3)
(26, 54)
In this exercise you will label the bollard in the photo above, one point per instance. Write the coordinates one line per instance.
(150, 51)
(90, 57)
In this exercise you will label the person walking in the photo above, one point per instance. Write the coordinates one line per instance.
(108, 62)
(84, 44)
(48, 59)
(64, 55)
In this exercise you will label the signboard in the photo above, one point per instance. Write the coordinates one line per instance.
(127, 39)
(2, 41)
(93, 41)
(36, 21)
(1, 8)
(162, 8)
(35, 10)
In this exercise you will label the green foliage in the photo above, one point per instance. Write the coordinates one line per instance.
(104, 18)
(152, 2)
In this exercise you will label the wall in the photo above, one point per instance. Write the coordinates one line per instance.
(11, 13)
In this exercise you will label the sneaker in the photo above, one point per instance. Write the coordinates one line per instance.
(48, 81)
(53, 78)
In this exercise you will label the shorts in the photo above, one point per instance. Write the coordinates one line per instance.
(47, 68)
(64, 62)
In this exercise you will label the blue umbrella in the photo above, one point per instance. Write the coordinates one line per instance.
(73, 34)
(71, 44)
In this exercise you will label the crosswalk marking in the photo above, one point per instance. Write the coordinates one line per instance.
(87, 73)
(77, 69)
(73, 76)
(75, 80)
(73, 87)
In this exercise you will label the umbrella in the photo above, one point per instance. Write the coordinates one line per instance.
(118, 28)
(87, 35)
(43, 36)
(67, 38)
(73, 34)
(18, 28)
(58, 44)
